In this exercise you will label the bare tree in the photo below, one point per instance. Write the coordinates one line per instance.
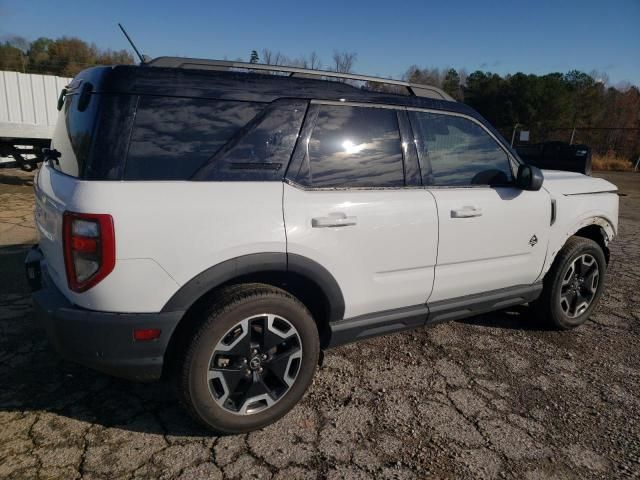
(314, 62)
(266, 56)
(344, 61)
(300, 62)
(19, 42)
(600, 77)
(427, 76)
(463, 76)
(273, 58)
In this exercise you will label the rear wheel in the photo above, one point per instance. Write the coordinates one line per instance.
(574, 284)
(250, 361)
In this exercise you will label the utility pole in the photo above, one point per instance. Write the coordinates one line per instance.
(513, 135)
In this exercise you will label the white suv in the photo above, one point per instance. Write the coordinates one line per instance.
(219, 226)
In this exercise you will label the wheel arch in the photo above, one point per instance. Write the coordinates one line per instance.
(597, 228)
(300, 276)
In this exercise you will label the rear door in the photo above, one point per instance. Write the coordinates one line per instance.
(354, 204)
(493, 235)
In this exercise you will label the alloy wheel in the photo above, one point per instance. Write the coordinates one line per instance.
(579, 285)
(254, 364)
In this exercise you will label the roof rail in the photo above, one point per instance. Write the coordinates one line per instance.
(414, 89)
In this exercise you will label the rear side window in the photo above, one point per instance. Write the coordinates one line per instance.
(173, 138)
(455, 151)
(73, 135)
(354, 147)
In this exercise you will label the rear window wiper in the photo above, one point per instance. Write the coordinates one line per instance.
(51, 154)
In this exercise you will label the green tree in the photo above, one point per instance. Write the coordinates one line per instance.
(12, 58)
(39, 57)
(451, 84)
(254, 57)
(64, 56)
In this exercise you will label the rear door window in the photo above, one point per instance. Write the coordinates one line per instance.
(455, 151)
(174, 137)
(354, 147)
(261, 150)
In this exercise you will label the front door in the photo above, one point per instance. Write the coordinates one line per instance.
(493, 235)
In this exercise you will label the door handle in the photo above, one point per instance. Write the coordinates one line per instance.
(333, 220)
(467, 211)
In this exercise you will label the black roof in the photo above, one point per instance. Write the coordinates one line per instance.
(253, 87)
(229, 85)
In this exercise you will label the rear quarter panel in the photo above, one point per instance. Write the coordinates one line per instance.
(168, 232)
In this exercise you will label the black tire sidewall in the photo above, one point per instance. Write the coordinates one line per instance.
(202, 402)
(558, 316)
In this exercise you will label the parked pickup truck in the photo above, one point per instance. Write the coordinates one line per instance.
(208, 223)
(557, 156)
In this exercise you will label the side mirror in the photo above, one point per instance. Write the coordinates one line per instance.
(529, 177)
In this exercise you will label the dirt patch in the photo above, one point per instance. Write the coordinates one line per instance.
(495, 396)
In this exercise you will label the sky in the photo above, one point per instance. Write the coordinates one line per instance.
(388, 36)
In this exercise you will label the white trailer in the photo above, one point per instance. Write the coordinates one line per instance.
(28, 113)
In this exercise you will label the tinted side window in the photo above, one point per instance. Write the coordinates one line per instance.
(173, 137)
(74, 133)
(355, 147)
(458, 152)
(262, 149)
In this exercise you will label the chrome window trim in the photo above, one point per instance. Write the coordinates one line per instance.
(510, 158)
(357, 104)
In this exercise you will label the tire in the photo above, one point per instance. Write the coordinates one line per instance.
(250, 360)
(566, 302)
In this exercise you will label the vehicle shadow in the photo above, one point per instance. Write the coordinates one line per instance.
(16, 178)
(520, 317)
(33, 378)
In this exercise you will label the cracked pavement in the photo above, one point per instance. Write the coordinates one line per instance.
(494, 396)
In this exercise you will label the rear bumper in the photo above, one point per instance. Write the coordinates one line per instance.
(103, 340)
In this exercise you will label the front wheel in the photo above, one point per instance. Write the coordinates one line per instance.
(250, 361)
(574, 284)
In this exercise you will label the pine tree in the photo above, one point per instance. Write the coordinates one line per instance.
(451, 84)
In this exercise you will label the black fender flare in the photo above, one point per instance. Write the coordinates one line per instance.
(256, 263)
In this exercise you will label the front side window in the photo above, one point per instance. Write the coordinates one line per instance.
(354, 147)
(455, 151)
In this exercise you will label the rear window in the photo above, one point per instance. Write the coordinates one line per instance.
(73, 134)
(173, 138)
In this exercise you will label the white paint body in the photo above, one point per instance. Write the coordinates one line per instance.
(166, 232)
(394, 248)
(489, 251)
(385, 260)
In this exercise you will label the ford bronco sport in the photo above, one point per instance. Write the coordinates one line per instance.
(222, 224)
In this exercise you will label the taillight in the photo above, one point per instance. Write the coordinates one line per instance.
(89, 248)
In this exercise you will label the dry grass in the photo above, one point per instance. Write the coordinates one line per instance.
(611, 162)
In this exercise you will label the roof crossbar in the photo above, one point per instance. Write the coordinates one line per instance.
(415, 89)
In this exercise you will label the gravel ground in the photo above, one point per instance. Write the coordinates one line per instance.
(495, 396)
